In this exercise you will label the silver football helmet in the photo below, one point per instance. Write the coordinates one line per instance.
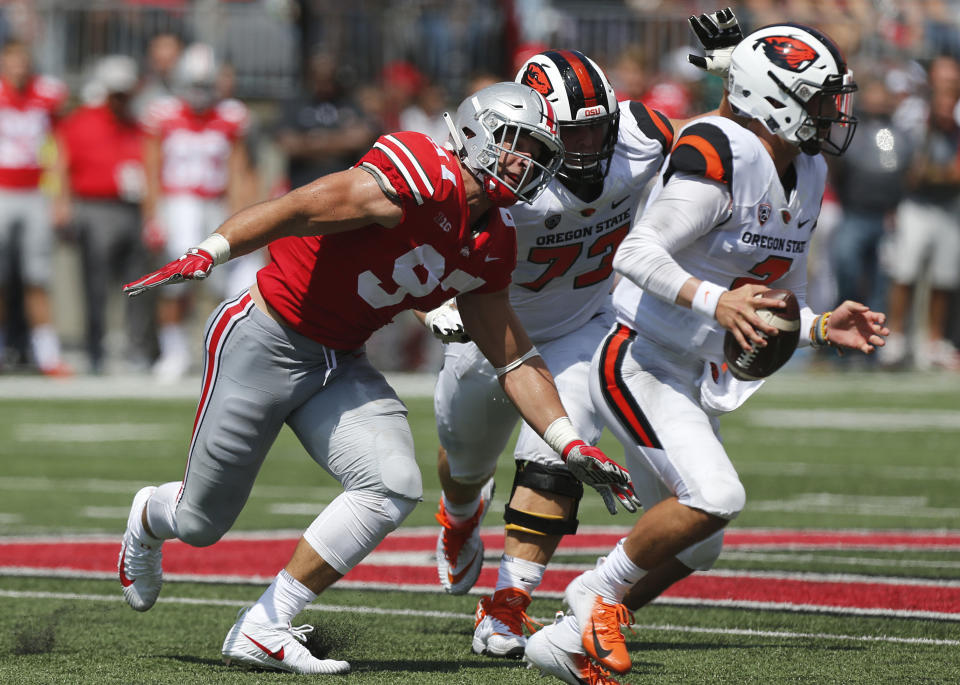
(793, 79)
(586, 108)
(503, 121)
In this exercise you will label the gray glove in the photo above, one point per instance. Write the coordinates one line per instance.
(445, 324)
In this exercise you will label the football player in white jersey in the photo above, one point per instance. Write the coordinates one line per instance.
(566, 241)
(731, 217)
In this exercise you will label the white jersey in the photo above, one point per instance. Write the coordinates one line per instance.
(765, 240)
(565, 246)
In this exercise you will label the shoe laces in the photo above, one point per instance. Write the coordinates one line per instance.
(594, 674)
(300, 632)
(608, 619)
(455, 535)
(508, 606)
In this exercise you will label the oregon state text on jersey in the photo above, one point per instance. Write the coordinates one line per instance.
(338, 289)
(196, 147)
(565, 246)
(765, 240)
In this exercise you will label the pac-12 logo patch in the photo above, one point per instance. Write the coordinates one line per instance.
(763, 212)
(552, 221)
(788, 52)
(536, 78)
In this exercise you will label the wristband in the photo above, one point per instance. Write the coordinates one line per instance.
(217, 246)
(819, 335)
(559, 434)
(706, 298)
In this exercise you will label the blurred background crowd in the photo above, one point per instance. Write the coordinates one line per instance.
(129, 129)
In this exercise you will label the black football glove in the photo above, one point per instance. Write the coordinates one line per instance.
(718, 33)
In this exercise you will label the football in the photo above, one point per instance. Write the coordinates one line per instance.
(760, 362)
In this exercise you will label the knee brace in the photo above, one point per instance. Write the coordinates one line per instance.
(552, 479)
(353, 524)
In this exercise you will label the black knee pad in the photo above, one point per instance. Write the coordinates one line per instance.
(553, 479)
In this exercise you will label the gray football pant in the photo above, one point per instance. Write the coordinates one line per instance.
(259, 375)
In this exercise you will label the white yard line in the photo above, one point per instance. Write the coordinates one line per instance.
(378, 611)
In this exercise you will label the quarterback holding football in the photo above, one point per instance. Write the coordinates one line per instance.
(731, 219)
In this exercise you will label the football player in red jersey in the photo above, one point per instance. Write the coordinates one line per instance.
(412, 224)
(730, 218)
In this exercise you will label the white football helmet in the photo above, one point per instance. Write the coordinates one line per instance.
(586, 108)
(511, 119)
(195, 77)
(776, 74)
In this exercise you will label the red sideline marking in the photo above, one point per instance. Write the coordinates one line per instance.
(263, 557)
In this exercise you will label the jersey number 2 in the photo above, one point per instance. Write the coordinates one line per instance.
(767, 271)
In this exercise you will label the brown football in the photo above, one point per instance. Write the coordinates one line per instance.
(760, 362)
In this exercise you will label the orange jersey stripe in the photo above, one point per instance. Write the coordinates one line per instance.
(710, 155)
(590, 96)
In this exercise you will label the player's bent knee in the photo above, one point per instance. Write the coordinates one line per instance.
(195, 530)
(546, 480)
(704, 554)
(720, 494)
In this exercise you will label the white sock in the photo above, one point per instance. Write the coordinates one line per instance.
(519, 573)
(46, 346)
(617, 574)
(459, 513)
(162, 510)
(285, 598)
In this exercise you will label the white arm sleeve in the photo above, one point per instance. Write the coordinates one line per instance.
(688, 208)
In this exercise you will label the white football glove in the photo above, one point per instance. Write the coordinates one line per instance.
(718, 33)
(445, 324)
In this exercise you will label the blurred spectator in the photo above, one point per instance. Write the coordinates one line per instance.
(926, 246)
(29, 106)
(100, 189)
(869, 181)
(163, 54)
(401, 83)
(197, 170)
(425, 115)
(324, 131)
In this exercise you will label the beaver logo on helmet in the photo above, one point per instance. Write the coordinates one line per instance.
(535, 77)
(788, 52)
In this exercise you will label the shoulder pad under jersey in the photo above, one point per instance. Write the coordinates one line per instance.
(702, 149)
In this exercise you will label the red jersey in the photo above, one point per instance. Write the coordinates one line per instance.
(196, 147)
(26, 120)
(104, 154)
(338, 289)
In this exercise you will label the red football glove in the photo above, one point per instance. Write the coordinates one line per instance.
(596, 469)
(195, 265)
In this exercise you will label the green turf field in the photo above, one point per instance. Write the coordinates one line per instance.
(840, 451)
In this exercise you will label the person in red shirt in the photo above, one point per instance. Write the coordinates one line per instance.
(410, 226)
(197, 170)
(29, 105)
(101, 185)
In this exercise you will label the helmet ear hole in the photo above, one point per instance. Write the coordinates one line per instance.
(468, 132)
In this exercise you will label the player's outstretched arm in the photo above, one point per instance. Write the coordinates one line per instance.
(339, 202)
(528, 383)
(853, 326)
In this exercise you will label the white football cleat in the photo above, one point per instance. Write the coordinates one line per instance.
(500, 620)
(459, 547)
(599, 622)
(139, 565)
(570, 667)
(265, 646)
